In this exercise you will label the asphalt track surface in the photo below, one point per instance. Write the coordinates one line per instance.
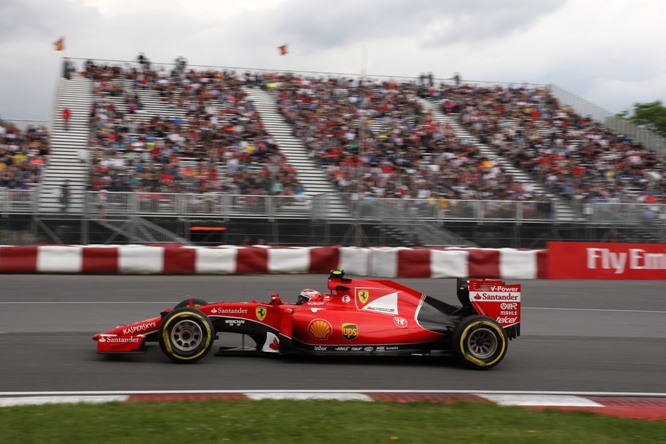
(577, 336)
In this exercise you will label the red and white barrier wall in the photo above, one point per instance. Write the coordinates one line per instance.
(561, 260)
(380, 262)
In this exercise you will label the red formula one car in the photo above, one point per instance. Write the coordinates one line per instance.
(357, 317)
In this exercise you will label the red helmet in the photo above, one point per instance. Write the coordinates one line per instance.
(308, 295)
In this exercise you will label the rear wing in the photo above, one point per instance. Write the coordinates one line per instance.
(495, 299)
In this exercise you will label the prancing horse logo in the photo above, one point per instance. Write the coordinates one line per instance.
(363, 296)
(261, 313)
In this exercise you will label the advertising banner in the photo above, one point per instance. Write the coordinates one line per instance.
(598, 260)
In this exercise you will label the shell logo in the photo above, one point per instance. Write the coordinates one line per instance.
(320, 329)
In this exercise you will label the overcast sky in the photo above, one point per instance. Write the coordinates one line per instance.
(609, 52)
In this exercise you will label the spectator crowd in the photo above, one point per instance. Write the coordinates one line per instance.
(155, 129)
(23, 155)
(208, 137)
(376, 138)
(571, 155)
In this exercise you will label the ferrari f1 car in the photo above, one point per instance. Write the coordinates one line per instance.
(356, 317)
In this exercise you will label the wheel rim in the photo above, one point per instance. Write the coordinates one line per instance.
(186, 336)
(482, 343)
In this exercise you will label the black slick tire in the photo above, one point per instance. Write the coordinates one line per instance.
(479, 342)
(186, 335)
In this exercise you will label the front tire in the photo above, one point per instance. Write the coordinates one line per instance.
(186, 335)
(479, 342)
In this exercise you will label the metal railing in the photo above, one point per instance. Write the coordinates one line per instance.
(118, 205)
(371, 208)
(101, 204)
(17, 201)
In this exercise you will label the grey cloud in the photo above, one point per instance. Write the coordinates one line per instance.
(34, 18)
(315, 26)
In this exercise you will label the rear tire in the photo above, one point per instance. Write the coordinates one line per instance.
(479, 342)
(186, 335)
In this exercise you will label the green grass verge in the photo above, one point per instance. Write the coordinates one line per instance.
(351, 422)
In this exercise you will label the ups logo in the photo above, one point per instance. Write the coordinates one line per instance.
(349, 331)
(363, 296)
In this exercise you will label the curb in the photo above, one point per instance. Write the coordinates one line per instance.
(645, 407)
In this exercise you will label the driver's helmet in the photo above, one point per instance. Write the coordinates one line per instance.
(308, 295)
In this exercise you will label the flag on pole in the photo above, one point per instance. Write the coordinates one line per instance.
(282, 49)
(59, 44)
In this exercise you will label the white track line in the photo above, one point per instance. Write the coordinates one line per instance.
(402, 391)
(541, 400)
(611, 310)
(44, 400)
(309, 395)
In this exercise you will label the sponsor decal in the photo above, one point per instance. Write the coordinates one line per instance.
(140, 328)
(320, 348)
(380, 348)
(356, 349)
(601, 260)
(368, 349)
(261, 313)
(394, 347)
(346, 299)
(341, 349)
(229, 310)
(363, 296)
(618, 262)
(508, 313)
(507, 319)
(400, 322)
(234, 322)
(494, 296)
(509, 306)
(387, 304)
(349, 331)
(316, 303)
(320, 329)
(120, 339)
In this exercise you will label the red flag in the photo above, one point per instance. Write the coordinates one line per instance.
(59, 44)
(282, 49)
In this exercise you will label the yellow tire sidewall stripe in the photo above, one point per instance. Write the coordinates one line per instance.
(167, 342)
(471, 358)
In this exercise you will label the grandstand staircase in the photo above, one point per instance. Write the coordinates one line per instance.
(562, 211)
(309, 174)
(69, 161)
(69, 148)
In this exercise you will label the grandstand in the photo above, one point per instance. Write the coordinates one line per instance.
(319, 158)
